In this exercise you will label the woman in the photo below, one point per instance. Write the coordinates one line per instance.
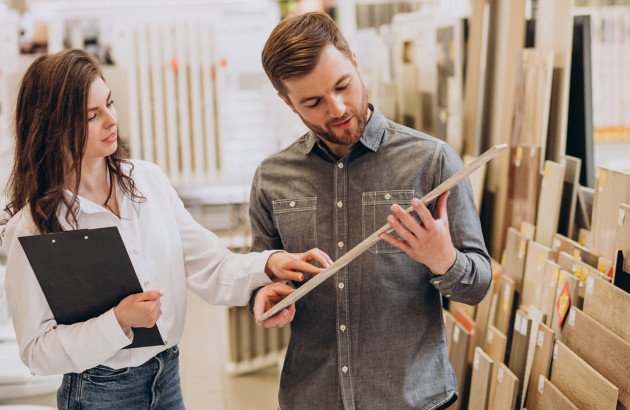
(70, 173)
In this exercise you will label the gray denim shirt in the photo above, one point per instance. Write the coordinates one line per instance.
(372, 336)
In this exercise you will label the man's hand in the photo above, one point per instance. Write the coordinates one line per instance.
(268, 297)
(139, 310)
(284, 265)
(428, 242)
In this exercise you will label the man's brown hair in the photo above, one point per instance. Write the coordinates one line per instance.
(294, 47)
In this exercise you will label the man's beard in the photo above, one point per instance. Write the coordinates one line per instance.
(348, 136)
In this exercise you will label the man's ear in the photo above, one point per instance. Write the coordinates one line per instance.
(287, 102)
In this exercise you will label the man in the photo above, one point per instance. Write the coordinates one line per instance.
(372, 336)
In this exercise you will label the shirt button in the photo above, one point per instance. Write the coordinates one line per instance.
(345, 369)
(343, 328)
(437, 281)
(146, 283)
(340, 165)
(448, 296)
(339, 204)
(341, 285)
(388, 196)
(292, 204)
(340, 244)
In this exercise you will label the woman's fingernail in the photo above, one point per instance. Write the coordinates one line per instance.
(301, 277)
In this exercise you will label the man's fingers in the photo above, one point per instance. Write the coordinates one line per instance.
(318, 255)
(423, 213)
(440, 208)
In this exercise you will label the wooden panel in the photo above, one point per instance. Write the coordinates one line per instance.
(495, 345)
(515, 252)
(522, 192)
(551, 273)
(548, 397)
(584, 210)
(622, 236)
(520, 348)
(458, 356)
(612, 189)
(528, 230)
(506, 38)
(533, 277)
(506, 388)
(480, 380)
(573, 285)
(541, 363)
(477, 181)
(603, 350)
(582, 384)
(482, 317)
(549, 202)
(476, 58)
(505, 304)
(554, 30)
(566, 223)
(468, 309)
(449, 324)
(608, 305)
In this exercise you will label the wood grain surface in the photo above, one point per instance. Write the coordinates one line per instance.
(480, 380)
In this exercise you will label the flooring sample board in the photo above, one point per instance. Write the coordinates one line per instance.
(475, 84)
(622, 237)
(532, 98)
(533, 283)
(528, 230)
(566, 296)
(480, 380)
(506, 39)
(524, 185)
(495, 344)
(469, 324)
(515, 254)
(603, 350)
(477, 181)
(506, 390)
(505, 304)
(548, 397)
(482, 317)
(458, 356)
(549, 202)
(580, 122)
(554, 30)
(551, 274)
(611, 189)
(520, 348)
(541, 363)
(468, 309)
(566, 222)
(608, 304)
(582, 384)
(449, 325)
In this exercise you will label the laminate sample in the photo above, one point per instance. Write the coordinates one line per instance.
(480, 380)
(533, 283)
(523, 188)
(582, 384)
(541, 363)
(609, 305)
(603, 350)
(566, 222)
(458, 356)
(612, 189)
(506, 388)
(505, 304)
(515, 254)
(622, 236)
(566, 281)
(520, 348)
(549, 202)
(551, 273)
(548, 397)
(482, 317)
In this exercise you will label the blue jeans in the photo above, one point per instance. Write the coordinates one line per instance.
(153, 385)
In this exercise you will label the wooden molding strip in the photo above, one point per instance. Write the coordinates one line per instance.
(372, 239)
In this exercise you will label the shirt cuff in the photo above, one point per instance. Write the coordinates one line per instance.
(113, 334)
(447, 282)
(260, 278)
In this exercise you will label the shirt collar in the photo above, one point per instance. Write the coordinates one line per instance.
(371, 138)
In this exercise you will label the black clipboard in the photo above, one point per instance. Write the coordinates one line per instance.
(84, 273)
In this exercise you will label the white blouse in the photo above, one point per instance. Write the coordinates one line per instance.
(168, 250)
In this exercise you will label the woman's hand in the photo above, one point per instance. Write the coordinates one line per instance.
(285, 266)
(140, 309)
(268, 297)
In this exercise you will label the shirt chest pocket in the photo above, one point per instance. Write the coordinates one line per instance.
(375, 209)
(296, 220)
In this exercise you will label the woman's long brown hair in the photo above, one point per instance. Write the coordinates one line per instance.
(51, 126)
